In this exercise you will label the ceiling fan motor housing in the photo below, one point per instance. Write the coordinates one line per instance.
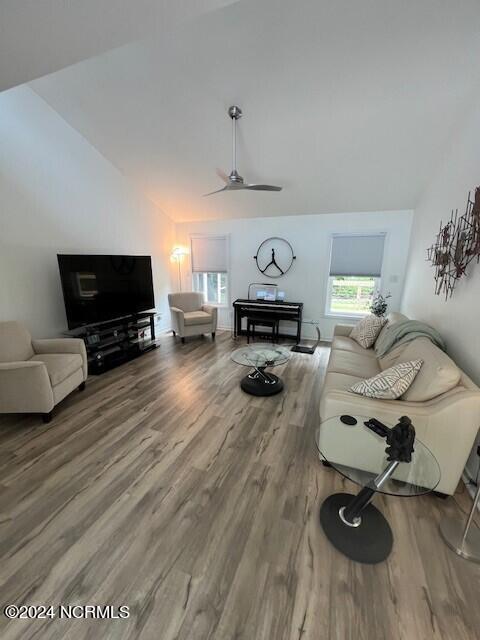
(235, 177)
(235, 112)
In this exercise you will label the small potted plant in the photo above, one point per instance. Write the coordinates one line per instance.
(379, 304)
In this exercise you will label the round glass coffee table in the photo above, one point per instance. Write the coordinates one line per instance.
(258, 357)
(351, 523)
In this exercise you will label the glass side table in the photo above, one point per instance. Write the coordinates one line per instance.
(351, 523)
(258, 357)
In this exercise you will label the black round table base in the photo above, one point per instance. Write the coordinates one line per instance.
(257, 386)
(370, 542)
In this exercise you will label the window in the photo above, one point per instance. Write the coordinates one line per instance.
(209, 268)
(355, 273)
(351, 295)
(213, 285)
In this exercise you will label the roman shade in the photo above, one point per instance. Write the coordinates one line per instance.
(357, 255)
(209, 254)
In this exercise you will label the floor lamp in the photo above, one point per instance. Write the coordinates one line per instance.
(177, 255)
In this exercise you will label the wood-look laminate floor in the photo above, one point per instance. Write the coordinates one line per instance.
(165, 488)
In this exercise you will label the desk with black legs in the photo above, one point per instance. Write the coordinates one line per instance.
(279, 310)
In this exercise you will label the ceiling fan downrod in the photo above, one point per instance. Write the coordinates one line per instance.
(235, 114)
(234, 181)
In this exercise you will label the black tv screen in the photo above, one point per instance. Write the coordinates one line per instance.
(100, 288)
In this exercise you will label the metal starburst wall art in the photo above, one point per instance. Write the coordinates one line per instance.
(457, 244)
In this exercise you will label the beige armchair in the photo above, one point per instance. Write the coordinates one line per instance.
(35, 375)
(190, 317)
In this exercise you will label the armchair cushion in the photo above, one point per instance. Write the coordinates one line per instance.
(63, 345)
(59, 365)
(186, 300)
(196, 317)
(15, 342)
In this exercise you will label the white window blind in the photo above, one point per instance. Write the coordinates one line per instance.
(209, 254)
(357, 255)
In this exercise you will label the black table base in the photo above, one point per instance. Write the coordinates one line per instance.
(260, 383)
(367, 539)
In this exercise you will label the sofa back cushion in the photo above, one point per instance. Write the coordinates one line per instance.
(438, 374)
(15, 342)
(392, 357)
(186, 301)
(392, 318)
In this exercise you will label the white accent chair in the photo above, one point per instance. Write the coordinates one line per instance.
(35, 375)
(190, 316)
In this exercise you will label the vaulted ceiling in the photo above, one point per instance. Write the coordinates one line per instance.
(42, 36)
(349, 105)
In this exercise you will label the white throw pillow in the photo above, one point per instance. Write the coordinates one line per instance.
(391, 383)
(367, 330)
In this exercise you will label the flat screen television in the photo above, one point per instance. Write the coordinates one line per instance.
(99, 288)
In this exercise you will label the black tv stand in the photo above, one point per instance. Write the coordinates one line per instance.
(114, 342)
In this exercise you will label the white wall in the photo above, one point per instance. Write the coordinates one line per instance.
(310, 236)
(58, 194)
(457, 319)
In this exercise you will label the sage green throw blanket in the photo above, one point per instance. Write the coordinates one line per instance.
(406, 331)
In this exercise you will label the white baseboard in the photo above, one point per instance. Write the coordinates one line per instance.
(169, 330)
(290, 335)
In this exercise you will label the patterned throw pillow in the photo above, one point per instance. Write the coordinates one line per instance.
(391, 383)
(367, 330)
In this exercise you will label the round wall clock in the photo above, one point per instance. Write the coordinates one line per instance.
(274, 257)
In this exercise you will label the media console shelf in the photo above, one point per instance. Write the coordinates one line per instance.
(114, 342)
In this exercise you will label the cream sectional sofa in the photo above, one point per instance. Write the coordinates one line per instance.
(443, 403)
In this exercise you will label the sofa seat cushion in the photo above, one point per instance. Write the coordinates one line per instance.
(344, 343)
(353, 364)
(438, 374)
(59, 365)
(197, 317)
(338, 382)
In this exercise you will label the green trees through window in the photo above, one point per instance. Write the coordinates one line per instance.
(212, 285)
(351, 294)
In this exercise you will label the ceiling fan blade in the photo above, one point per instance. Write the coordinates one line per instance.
(221, 174)
(225, 188)
(262, 187)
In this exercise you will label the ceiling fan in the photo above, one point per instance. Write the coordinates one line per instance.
(234, 181)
